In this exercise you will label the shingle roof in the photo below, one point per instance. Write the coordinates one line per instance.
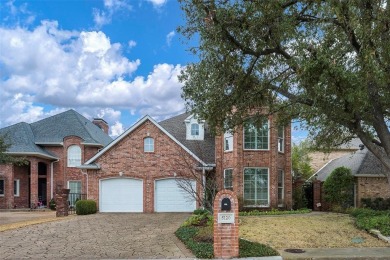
(361, 162)
(26, 138)
(204, 149)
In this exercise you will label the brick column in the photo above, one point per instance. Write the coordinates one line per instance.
(317, 203)
(226, 226)
(61, 199)
(33, 183)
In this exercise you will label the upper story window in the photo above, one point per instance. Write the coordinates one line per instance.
(195, 129)
(228, 142)
(74, 156)
(256, 136)
(16, 188)
(281, 139)
(148, 145)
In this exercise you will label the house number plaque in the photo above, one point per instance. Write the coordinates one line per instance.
(226, 218)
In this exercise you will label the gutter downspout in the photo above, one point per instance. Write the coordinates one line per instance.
(51, 178)
(204, 186)
(86, 174)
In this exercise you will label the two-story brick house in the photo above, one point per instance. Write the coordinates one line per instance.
(53, 148)
(143, 170)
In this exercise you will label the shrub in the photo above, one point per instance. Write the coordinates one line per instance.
(205, 234)
(201, 211)
(376, 203)
(199, 220)
(199, 249)
(338, 188)
(52, 204)
(253, 249)
(299, 198)
(86, 207)
(372, 219)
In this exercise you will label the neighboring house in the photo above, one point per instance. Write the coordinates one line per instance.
(140, 170)
(53, 148)
(369, 173)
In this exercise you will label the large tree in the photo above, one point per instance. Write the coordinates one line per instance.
(326, 63)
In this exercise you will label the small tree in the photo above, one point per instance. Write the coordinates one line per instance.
(338, 187)
(301, 160)
(5, 157)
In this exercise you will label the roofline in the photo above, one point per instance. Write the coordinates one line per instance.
(92, 144)
(322, 168)
(42, 155)
(89, 167)
(50, 143)
(370, 175)
(135, 126)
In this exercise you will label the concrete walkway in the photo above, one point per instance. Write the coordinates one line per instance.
(339, 253)
(98, 236)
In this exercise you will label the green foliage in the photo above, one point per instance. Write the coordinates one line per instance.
(274, 212)
(199, 249)
(370, 219)
(376, 203)
(198, 220)
(6, 158)
(201, 211)
(52, 204)
(338, 188)
(299, 198)
(324, 63)
(86, 207)
(253, 249)
(205, 234)
(300, 160)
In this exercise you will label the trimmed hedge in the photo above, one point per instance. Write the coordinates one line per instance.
(86, 207)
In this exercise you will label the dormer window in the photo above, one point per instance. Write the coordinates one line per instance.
(194, 129)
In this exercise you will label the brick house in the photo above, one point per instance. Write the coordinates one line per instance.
(147, 168)
(53, 147)
(368, 171)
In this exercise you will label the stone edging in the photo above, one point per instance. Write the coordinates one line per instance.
(379, 235)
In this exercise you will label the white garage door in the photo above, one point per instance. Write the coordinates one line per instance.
(121, 195)
(169, 197)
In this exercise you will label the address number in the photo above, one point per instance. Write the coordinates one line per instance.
(225, 217)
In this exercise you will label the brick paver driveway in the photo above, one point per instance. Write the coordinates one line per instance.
(98, 236)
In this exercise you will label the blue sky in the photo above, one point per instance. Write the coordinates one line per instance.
(114, 59)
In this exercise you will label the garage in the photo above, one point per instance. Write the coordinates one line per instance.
(169, 197)
(121, 195)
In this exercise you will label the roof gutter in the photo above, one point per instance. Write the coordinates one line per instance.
(50, 143)
(89, 167)
(45, 156)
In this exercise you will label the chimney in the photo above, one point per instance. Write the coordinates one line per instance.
(101, 124)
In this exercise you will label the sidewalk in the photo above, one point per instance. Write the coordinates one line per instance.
(339, 253)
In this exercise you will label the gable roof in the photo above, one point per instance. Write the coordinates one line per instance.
(28, 139)
(362, 163)
(90, 163)
(204, 149)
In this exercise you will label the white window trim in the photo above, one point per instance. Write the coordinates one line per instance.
(282, 204)
(2, 195)
(17, 193)
(243, 187)
(284, 140)
(149, 145)
(268, 142)
(224, 176)
(225, 136)
(72, 165)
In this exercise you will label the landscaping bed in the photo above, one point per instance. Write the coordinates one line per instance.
(368, 219)
(197, 234)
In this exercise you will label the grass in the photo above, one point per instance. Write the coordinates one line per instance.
(274, 212)
(317, 230)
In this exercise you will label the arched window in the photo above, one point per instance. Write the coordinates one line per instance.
(74, 156)
(148, 145)
(194, 129)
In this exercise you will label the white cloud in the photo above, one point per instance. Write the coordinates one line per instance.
(157, 3)
(116, 129)
(132, 44)
(170, 37)
(82, 70)
(111, 7)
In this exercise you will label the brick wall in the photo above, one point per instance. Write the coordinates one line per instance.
(127, 156)
(372, 187)
(239, 158)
